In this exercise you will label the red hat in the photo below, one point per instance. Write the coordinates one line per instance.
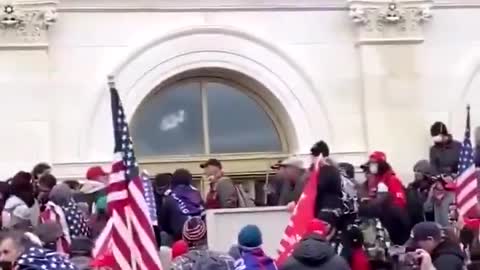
(95, 172)
(317, 226)
(103, 260)
(378, 156)
(179, 248)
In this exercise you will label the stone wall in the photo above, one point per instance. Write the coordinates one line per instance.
(345, 71)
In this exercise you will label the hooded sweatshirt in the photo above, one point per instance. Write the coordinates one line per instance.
(448, 256)
(251, 258)
(314, 253)
(181, 203)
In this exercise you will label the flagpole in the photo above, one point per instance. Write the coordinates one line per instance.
(128, 210)
(111, 81)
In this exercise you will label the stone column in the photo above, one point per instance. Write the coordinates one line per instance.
(389, 41)
(24, 82)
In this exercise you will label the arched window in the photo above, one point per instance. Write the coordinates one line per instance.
(203, 116)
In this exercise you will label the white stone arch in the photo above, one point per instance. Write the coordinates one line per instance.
(211, 47)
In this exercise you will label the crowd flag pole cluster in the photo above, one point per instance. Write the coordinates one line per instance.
(128, 236)
(466, 182)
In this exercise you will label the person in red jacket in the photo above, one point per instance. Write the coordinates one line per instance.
(380, 175)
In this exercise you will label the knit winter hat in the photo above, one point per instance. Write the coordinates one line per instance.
(250, 236)
(423, 166)
(179, 248)
(194, 230)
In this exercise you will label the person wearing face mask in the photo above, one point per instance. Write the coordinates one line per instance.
(445, 151)
(381, 172)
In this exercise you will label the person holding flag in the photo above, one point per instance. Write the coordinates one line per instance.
(322, 193)
(128, 235)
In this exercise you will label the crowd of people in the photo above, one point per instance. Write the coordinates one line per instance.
(378, 223)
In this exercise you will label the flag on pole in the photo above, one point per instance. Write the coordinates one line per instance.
(466, 182)
(131, 236)
(301, 217)
(149, 197)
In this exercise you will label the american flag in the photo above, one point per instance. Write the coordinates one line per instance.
(466, 182)
(77, 224)
(131, 234)
(36, 258)
(149, 197)
(54, 214)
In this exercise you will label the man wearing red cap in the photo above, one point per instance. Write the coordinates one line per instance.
(380, 172)
(96, 173)
(386, 200)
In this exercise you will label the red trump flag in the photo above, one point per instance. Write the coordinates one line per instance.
(301, 217)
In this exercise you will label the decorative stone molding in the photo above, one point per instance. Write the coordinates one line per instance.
(381, 21)
(24, 23)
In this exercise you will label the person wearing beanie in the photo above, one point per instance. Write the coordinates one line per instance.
(417, 192)
(248, 253)
(445, 151)
(194, 232)
(314, 251)
(182, 202)
(179, 248)
(199, 257)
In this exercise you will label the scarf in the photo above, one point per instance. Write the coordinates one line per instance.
(254, 259)
(189, 200)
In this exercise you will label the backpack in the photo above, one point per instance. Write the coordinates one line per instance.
(244, 199)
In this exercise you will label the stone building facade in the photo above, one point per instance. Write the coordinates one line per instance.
(362, 75)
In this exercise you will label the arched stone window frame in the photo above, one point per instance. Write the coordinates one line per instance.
(300, 104)
(237, 82)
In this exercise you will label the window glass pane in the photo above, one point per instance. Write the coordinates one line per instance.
(170, 122)
(237, 123)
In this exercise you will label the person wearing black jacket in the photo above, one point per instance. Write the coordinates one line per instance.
(314, 252)
(329, 187)
(435, 251)
(394, 219)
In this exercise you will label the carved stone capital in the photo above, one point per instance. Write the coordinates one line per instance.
(383, 21)
(25, 23)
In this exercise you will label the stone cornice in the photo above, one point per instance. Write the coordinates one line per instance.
(24, 24)
(387, 21)
(225, 5)
(192, 5)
